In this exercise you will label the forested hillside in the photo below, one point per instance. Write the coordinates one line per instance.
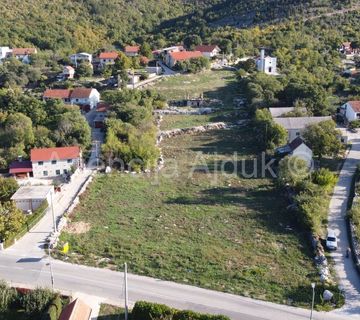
(65, 25)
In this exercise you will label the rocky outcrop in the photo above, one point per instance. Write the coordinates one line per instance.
(191, 130)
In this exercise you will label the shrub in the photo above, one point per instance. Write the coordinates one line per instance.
(186, 315)
(325, 178)
(151, 311)
(35, 302)
(354, 124)
(51, 313)
(7, 296)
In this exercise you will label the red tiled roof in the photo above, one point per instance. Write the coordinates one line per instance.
(20, 167)
(108, 55)
(70, 68)
(102, 107)
(81, 93)
(185, 55)
(132, 49)
(23, 51)
(355, 105)
(62, 153)
(57, 93)
(144, 60)
(206, 48)
(76, 310)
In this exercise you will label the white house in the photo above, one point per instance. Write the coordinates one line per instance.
(52, 162)
(4, 52)
(295, 126)
(81, 57)
(208, 51)
(351, 110)
(266, 64)
(85, 97)
(107, 58)
(68, 72)
(296, 148)
(31, 197)
(132, 51)
(22, 54)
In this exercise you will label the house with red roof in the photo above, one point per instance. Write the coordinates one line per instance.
(132, 51)
(21, 169)
(52, 162)
(107, 58)
(68, 72)
(86, 98)
(351, 110)
(172, 58)
(208, 51)
(22, 54)
(76, 310)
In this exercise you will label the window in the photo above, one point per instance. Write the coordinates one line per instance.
(69, 161)
(53, 161)
(40, 163)
(57, 172)
(45, 173)
(297, 134)
(65, 171)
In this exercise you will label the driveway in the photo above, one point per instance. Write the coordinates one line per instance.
(349, 279)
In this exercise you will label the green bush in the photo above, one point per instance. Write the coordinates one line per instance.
(36, 301)
(51, 313)
(151, 311)
(7, 296)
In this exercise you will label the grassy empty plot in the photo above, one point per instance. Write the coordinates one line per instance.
(185, 121)
(201, 227)
(110, 312)
(219, 84)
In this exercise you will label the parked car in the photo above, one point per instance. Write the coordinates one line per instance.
(331, 240)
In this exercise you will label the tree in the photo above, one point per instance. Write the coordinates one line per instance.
(8, 187)
(18, 129)
(84, 69)
(323, 139)
(11, 219)
(292, 171)
(191, 41)
(269, 133)
(145, 50)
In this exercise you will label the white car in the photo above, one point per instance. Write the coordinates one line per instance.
(331, 240)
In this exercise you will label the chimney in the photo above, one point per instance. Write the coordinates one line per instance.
(262, 54)
(19, 158)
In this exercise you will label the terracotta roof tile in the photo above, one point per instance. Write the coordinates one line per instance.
(62, 153)
(206, 48)
(132, 49)
(185, 55)
(57, 93)
(108, 55)
(81, 93)
(23, 51)
(76, 310)
(355, 105)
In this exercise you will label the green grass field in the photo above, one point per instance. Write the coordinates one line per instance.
(212, 84)
(199, 227)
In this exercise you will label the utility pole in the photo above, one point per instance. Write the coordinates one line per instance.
(126, 292)
(313, 298)
(52, 211)
(51, 271)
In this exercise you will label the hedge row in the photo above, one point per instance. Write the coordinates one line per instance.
(31, 221)
(54, 310)
(152, 311)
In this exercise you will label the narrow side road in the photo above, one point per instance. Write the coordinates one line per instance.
(349, 279)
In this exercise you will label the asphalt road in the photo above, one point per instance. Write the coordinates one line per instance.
(349, 279)
(108, 286)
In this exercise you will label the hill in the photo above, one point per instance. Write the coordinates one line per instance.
(66, 25)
